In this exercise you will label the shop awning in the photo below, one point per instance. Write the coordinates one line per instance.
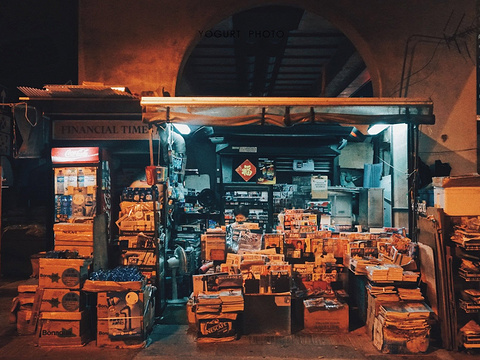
(283, 111)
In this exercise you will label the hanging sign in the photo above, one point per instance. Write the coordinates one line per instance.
(246, 170)
(99, 130)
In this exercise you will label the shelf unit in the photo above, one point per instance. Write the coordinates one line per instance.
(466, 308)
(258, 198)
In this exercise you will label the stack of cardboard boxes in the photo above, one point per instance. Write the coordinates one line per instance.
(74, 237)
(58, 312)
(125, 312)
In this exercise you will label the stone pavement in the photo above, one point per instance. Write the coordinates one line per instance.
(169, 340)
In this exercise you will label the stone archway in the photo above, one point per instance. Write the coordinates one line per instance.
(221, 24)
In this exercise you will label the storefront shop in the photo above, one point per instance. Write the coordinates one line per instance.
(322, 246)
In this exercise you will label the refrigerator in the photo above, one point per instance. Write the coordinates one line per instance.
(82, 192)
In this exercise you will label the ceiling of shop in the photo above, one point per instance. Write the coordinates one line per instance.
(274, 51)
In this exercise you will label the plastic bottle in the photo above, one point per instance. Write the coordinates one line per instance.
(89, 205)
(60, 182)
(81, 178)
(58, 206)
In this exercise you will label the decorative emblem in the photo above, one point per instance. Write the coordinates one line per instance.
(246, 170)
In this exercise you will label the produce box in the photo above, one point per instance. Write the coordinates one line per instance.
(124, 318)
(61, 300)
(63, 273)
(101, 286)
(63, 329)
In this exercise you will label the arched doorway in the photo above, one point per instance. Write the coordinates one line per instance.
(274, 51)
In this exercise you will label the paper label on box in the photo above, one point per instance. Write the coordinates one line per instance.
(125, 314)
(282, 300)
(70, 277)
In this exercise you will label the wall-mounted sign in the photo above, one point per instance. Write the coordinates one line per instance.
(75, 155)
(100, 130)
(319, 187)
(246, 170)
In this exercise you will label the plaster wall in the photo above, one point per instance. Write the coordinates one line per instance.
(144, 45)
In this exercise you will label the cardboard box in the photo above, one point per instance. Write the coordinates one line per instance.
(23, 322)
(63, 273)
(99, 285)
(73, 228)
(82, 250)
(458, 201)
(124, 317)
(61, 300)
(63, 329)
(217, 326)
(267, 314)
(326, 321)
(139, 257)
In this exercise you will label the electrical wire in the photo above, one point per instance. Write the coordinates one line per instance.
(395, 169)
(447, 151)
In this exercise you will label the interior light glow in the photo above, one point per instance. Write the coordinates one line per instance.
(182, 128)
(376, 129)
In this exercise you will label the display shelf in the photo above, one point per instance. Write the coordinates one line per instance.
(258, 198)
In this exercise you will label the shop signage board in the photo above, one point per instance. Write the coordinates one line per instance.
(74, 155)
(100, 130)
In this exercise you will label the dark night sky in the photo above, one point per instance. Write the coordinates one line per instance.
(38, 44)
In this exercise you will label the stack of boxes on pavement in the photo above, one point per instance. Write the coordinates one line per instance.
(125, 309)
(22, 305)
(59, 314)
(217, 301)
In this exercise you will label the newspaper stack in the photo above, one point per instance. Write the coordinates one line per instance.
(208, 303)
(395, 272)
(410, 276)
(402, 327)
(410, 294)
(232, 300)
(471, 335)
(377, 273)
(383, 293)
(406, 316)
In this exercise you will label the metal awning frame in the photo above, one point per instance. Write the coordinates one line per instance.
(238, 111)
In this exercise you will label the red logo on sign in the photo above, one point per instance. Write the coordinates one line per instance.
(246, 170)
(70, 155)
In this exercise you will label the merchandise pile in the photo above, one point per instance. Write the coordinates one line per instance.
(402, 328)
(216, 301)
(471, 335)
